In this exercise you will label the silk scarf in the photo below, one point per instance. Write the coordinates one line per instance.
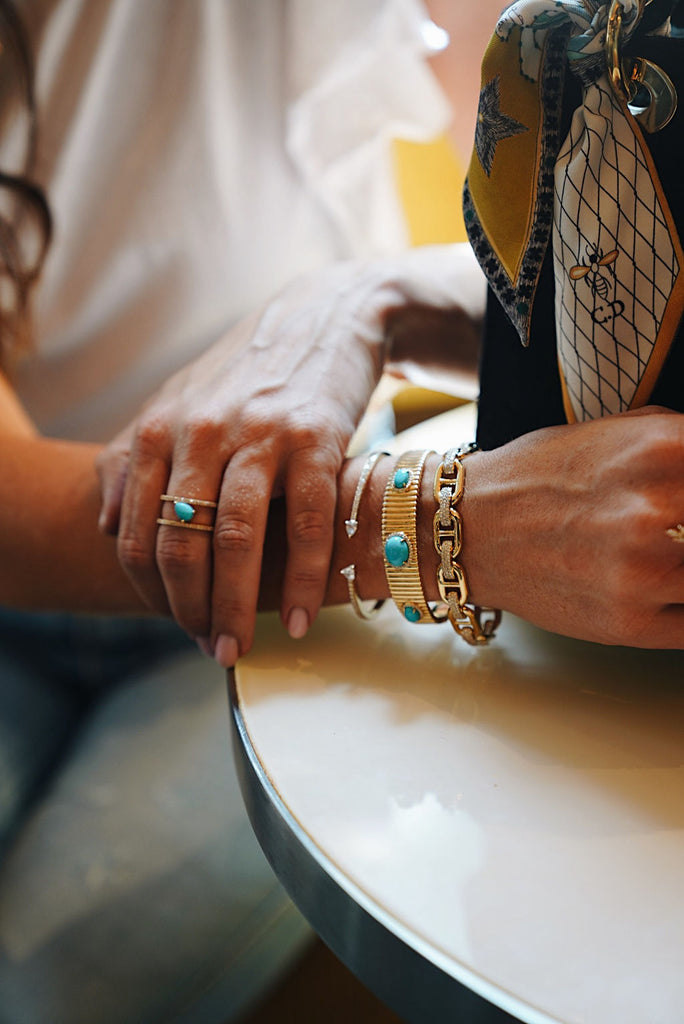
(594, 196)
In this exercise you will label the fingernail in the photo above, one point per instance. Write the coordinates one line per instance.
(298, 623)
(204, 644)
(226, 651)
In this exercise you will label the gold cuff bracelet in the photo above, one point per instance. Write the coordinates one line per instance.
(400, 540)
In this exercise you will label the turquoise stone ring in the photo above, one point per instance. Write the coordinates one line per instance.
(397, 550)
(184, 511)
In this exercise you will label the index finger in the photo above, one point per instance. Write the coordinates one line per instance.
(310, 492)
(239, 531)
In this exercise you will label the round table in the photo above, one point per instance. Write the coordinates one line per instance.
(474, 829)
(464, 825)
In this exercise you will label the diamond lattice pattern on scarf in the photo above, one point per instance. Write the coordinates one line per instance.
(615, 261)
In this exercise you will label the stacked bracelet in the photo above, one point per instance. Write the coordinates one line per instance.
(351, 526)
(467, 619)
(400, 541)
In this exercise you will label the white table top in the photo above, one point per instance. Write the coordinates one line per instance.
(514, 814)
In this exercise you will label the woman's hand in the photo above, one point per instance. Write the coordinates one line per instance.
(268, 410)
(567, 527)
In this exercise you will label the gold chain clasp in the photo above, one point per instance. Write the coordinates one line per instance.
(648, 91)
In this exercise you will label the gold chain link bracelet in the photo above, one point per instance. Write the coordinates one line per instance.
(467, 619)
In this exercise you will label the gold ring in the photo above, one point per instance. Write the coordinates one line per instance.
(185, 526)
(200, 502)
(185, 511)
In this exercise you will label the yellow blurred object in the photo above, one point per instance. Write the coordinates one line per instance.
(430, 180)
(414, 405)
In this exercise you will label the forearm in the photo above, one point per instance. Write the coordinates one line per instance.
(570, 527)
(52, 555)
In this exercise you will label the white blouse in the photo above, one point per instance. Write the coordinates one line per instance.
(198, 154)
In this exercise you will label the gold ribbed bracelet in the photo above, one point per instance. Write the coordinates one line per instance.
(400, 540)
(476, 625)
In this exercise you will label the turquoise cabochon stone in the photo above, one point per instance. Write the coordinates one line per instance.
(397, 550)
(402, 478)
(184, 511)
(411, 614)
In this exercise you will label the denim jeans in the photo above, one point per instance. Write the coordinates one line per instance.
(131, 886)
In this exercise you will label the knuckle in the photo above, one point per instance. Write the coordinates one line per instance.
(111, 460)
(309, 526)
(258, 419)
(176, 556)
(229, 612)
(133, 555)
(306, 579)
(662, 450)
(306, 433)
(202, 431)
(661, 447)
(152, 435)
(234, 536)
(643, 524)
(310, 430)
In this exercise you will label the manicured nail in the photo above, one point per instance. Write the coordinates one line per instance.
(204, 644)
(226, 651)
(298, 623)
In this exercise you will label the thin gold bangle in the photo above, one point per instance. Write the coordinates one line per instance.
(351, 526)
(349, 573)
(400, 540)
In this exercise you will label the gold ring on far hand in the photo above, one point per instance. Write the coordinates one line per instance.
(185, 509)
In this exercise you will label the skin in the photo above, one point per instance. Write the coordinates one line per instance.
(565, 527)
(280, 425)
(457, 68)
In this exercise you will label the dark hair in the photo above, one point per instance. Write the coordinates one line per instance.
(25, 223)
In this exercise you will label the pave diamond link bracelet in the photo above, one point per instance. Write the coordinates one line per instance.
(476, 625)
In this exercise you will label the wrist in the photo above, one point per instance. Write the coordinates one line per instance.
(364, 548)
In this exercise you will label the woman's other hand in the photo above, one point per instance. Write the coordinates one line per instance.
(566, 527)
(268, 410)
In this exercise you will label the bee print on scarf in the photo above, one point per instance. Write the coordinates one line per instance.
(599, 274)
